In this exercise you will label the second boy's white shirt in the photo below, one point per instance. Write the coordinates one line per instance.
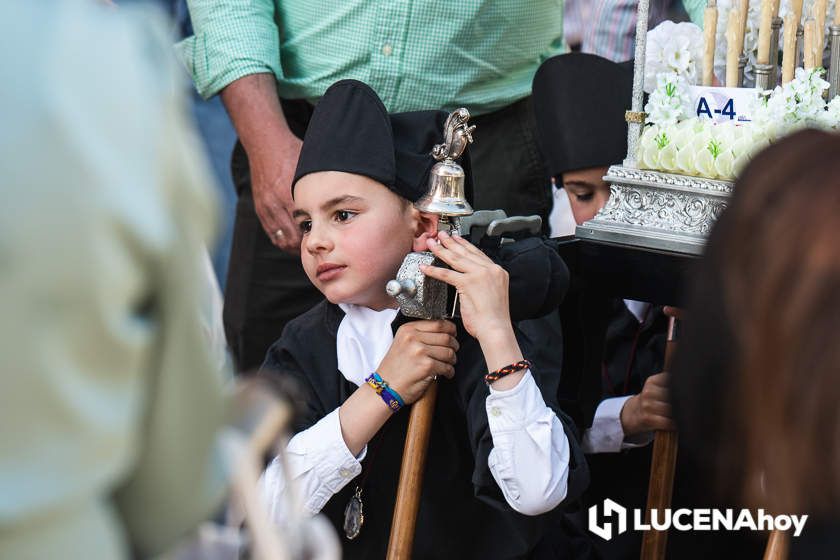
(529, 460)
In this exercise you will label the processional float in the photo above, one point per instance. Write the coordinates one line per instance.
(656, 220)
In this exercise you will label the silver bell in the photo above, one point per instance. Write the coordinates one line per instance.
(446, 195)
(418, 295)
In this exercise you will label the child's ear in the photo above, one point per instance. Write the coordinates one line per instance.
(427, 228)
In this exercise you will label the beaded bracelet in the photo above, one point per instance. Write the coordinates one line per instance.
(388, 394)
(507, 370)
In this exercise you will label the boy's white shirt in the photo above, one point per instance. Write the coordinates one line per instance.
(529, 459)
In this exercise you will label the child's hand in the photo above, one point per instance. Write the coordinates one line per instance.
(482, 285)
(649, 410)
(421, 350)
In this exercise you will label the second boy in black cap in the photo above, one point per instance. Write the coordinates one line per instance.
(613, 348)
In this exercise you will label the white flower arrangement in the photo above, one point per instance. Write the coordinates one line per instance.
(830, 119)
(700, 147)
(676, 142)
(670, 102)
(797, 104)
(673, 47)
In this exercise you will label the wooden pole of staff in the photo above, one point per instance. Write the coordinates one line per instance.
(662, 468)
(411, 475)
(777, 546)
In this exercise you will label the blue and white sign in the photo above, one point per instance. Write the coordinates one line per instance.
(722, 104)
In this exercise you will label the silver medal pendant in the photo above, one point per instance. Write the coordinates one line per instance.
(354, 515)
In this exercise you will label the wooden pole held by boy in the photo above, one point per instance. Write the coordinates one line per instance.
(663, 465)
(446, 197)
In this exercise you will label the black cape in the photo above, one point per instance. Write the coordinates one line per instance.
(462, 511)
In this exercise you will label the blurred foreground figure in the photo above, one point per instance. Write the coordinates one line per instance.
(755, 382)
(110, 398)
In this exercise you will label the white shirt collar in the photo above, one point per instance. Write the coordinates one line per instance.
(637, 308)
(363, 338)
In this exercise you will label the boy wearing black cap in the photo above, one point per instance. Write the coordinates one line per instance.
(502, 455)
(579, 101)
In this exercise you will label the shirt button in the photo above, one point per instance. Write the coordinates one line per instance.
(387, 49)
(496, 411)
(345, 473)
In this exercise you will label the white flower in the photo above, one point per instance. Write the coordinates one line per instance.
(802, 97)
(668, 158)
(685, 160)
(682, 134)
(648, 156)
(705, 164)
(797, 105)
(724, 164)
(830, 118)
(673, 47)
(725, 133)
(670, 102)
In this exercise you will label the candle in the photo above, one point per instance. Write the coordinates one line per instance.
(836, 13)
(810, 31)
(733, 30)
(776, 4)
(710, 17)
(819, 28)
(744, 15)
(744, 6)
(763, 55)
(796, 8)
(789, 47)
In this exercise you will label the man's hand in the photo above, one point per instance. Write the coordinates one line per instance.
(273, 151)
(271, 182)
(649, 410)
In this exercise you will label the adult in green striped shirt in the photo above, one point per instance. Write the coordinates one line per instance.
(271, 60)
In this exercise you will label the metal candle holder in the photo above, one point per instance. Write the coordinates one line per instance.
(764, 76)
(834, 62)
(775, 32)
(800, 46)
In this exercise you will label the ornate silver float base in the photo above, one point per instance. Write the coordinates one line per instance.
(655, 210)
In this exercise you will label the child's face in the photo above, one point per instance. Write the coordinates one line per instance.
(356, 233)
(587, 190)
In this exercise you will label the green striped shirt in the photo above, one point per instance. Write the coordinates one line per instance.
(417, 54)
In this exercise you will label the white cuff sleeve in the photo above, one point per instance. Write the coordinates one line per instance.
(606, 434)
(530, 455)
(320, 465)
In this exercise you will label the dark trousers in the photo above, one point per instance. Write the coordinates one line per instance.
(267, 287)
